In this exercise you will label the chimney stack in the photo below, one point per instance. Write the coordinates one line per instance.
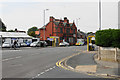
(66, 20)
(51, 18)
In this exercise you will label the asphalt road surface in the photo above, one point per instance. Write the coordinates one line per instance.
(38, 63)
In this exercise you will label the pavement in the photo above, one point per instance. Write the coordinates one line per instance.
(87, 63)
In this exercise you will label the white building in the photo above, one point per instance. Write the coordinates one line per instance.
(11, 36)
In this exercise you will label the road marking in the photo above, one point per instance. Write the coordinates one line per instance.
(38, 75)
(10, 50)
(11, 58)
(27, 47)
(53, 66)
(47, 70)
(17, 65)
(18, 57)
(43, 72)
(60, 63)
(7, 59)
(35, 53)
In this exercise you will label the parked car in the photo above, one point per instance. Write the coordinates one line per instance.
(35, 44)
(17, 45)
(28, 43)
(6, 45)
(80, 42)
(64, 44)
(23, 44)
(39, 44)
(44, 43)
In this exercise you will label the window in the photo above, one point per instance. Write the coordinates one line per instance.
(67, 40)
(61, 30)
(67, 30)
(61, 24)
(67, 25)
(71, 40)
(57, 40)
(73, 30)
(56, 28)
(61, 38)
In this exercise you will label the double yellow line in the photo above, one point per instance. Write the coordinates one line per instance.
(65, 66)
(60, 62)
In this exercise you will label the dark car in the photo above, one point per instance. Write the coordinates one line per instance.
(43, 43)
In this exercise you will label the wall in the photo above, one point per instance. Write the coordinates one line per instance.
(108, 54)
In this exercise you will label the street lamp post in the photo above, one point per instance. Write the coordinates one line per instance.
(99, 14)
(99, 56)
(44, 25)
(77, 19)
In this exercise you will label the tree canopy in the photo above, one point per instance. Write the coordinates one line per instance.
(108, 38)
(31, 31)
(2, 26)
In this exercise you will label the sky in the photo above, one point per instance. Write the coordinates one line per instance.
(24, 14)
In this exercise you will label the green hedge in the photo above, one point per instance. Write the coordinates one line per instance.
(108, 38)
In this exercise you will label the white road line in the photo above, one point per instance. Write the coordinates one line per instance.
(47, 70)
(7, 59)
(10, 50)
(18, 57)
(17, 65)
(42, 73)
(27, 47)
(34, 53)
(11, 58)
(38, 75)
(53, 66)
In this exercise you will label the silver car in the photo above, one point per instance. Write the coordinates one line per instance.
(6, 45)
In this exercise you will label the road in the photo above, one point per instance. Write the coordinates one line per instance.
(38, 63)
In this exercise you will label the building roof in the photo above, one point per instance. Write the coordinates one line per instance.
(15, 34)
(71, 24)
(64, 23)
(56, 23)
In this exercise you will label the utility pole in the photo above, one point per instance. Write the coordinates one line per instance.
(99, 14)
(77, 19)
(99, 56)
(44, 25)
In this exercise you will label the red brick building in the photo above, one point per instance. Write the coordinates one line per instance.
(61, 28)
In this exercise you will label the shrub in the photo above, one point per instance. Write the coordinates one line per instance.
(108, 38)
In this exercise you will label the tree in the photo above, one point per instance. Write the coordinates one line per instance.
(10, 31)
(2, 26)
(31, 31)
(89, 33)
